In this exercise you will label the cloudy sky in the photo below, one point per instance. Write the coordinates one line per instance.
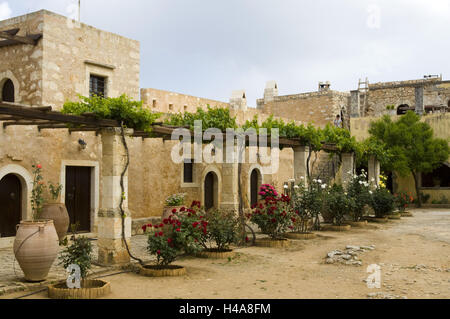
(208, 48)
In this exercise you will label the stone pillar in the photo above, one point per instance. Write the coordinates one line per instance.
(111, 248)
(355, 104)
(374, 172)
(230, 191)
(419, 100)
(347, 166)
(300, 163)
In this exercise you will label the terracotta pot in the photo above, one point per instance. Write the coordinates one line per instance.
(58, 213)
(300, 236)
(90, 289)
(269, 242)
(36, 247)
(216, 254)
(162, 271)
(167, 211)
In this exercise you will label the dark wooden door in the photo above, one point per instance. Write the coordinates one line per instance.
(254, 187)
(10, 205)
(209, 191)
(78, 196)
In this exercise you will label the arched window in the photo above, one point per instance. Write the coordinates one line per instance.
(8, 91)
(402, 109)
(211, 191)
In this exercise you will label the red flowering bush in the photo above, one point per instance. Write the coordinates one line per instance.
(403, 200)
(274, 216)
(222, 230)
(180, 232)
(267, 191)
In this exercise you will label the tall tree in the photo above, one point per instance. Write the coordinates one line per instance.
(412, 145)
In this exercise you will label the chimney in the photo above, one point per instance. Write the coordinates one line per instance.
(324, 86)
(271, 91)
(238, 100)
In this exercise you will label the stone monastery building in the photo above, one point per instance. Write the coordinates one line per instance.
(46, 60)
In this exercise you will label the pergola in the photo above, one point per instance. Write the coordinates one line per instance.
(110, 219)
(11, 38)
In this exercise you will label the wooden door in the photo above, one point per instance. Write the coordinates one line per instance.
(78, 196)
(10, 205)
(254, 187)
(209, 191)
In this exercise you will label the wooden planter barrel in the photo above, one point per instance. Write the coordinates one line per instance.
(216, 254)
(395, 216)
(406, 214)
(90, 289)
(300, 236)
(269, 242)
(360, 224)
(162, 271)
(336, 227)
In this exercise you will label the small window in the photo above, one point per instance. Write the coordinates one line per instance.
(154, 103)
(170, 107)
(8, 91)
(188, 171)
(97, 86)
(440, 177)
(186, 107)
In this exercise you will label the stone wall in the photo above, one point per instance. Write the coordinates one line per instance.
(319, 108)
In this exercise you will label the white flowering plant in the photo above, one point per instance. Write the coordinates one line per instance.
(359, 190)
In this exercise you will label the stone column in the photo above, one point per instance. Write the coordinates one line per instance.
(346, 167)
(419, 100)
(355, 104)
(300, 163)
(111, 248)
(374, 172)
(230, 191)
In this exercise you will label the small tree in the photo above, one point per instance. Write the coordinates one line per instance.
(412, 145)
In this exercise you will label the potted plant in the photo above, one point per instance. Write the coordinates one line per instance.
(382, 202)
(173, 203)
(359, 190)
(339, 204)
(78, 255)
(36, 243)
(221, 232)
(402, 202)
(273, 218)
(168, 240)
(56, 211)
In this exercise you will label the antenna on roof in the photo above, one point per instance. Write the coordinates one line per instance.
(79, 10)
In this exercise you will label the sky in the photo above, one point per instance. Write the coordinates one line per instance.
(209, 48)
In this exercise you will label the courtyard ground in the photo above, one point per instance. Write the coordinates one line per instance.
(413, 253)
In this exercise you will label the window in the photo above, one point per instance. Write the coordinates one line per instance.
(97, 86)
(8, 91)
(188, 171)
(154, 103)
(440, 177)
(171, 107)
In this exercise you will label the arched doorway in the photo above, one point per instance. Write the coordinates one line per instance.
(255, 184)
(402, 109)
(210, 191)
(10, 205)
(8, 91)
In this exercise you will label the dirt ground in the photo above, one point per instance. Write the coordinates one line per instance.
(413, 253)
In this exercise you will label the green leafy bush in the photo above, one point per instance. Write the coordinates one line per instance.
(79, 252)
(359, 190)
(222, 230)
(382, 202)
(338, 203)
(121, 109)
(308, 204)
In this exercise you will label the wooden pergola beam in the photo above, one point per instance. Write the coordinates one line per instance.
(11, 36)
(24, 123)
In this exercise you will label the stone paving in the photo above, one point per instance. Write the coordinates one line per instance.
(11, 276)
